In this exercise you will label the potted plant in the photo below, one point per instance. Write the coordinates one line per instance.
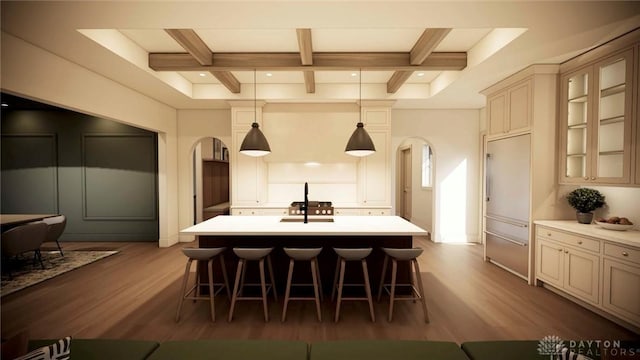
(585, 200)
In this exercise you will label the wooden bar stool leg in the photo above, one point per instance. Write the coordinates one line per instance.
(384, 273)
(287, 290)
(368, 289)
(335, 279)
(264, 290)
(340, 284)
(198, 266)
(185, 279)
(235, 288)
(319, 280)
(211, 290)
(392, 299)
(421, 289)
(273, 281)
(224, 276)
(315, 275)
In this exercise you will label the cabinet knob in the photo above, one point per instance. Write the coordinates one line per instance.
(579, 242)
(566, 251)
(560, 250)
(548, 234)
(624, 253)
(586, 178)
(593, 178)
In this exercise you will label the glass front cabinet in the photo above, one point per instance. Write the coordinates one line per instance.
(596, 122)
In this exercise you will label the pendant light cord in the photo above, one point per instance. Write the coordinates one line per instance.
(360, 95)
(255, 92)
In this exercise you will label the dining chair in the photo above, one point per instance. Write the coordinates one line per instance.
(55, 228)
(21, 239)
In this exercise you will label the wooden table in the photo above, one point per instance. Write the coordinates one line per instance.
(345, 231)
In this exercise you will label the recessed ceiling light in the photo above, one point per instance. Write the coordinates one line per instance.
(269, 74)
(203, 74)
(354, 74)
(5, 105)
(420, 74)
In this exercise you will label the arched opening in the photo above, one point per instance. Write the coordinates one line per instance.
(210, 181)
(415, 184)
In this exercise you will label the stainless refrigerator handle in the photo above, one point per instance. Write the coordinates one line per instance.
(506, 239)
(487, 180)
(510, 222)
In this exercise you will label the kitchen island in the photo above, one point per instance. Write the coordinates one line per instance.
(325, 232)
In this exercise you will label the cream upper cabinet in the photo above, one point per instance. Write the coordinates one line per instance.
(510, 110)
(596, 121)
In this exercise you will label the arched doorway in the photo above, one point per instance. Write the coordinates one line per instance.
(415, 185)
(210, 179)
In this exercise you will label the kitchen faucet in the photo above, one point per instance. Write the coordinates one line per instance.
(305, 208)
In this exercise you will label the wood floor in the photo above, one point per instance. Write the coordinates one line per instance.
(133, 295)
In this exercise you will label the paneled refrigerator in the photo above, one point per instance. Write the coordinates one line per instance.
(507, 191)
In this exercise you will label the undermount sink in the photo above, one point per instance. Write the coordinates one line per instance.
(308, 220)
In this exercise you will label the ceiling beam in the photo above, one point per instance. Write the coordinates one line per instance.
(306, 48)
(397, 79)
(306, 58)
(420, 52)
(190, 41)
(228, 80)
(437, 61)
(198, 49)
(426, 44)
(309, 82)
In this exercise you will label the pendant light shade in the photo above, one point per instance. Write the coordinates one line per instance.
(360, 143)
(255, 143)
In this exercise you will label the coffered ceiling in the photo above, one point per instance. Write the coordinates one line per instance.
(422, 54)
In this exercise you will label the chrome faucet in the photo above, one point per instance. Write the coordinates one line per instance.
(305, 208)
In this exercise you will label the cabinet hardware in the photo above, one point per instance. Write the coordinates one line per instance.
(624, 253)
(586, 178)
(560, 250)
(548, 234)
(593, 178)
(579, 242)
(566, 251)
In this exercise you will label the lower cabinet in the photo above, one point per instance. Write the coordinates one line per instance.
(621, 282)
(598, 271)
(570, 269)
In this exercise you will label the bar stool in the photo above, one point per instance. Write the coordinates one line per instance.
(396, 255)
(200, 255)
(344, 255)
(311, 255)
(253, 254)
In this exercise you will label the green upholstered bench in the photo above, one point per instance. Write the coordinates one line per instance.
(386, 350)
(104, 349)
(232, 349)
(503, 350)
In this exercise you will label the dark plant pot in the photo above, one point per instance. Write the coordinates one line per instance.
(584, 218)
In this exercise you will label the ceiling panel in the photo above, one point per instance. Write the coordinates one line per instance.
(153, 40)
(250, 40)
(348, 40)
(461, 39)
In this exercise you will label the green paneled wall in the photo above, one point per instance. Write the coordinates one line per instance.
(99, 173)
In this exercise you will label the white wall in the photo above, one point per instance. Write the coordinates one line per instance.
(34, 73)
(453, 135)
(193, 126)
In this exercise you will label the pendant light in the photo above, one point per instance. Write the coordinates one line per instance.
(254, 143)
(360, 143)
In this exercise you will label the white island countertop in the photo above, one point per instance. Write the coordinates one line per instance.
(271, 225)
(629, 237)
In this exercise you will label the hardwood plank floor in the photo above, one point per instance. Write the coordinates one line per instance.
(133, 295)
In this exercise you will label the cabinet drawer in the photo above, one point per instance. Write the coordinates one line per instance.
(569, 239)
(622, 252)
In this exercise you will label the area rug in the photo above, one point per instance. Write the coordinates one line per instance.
(26, 273)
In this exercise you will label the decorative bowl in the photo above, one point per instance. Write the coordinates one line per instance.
(617, 227)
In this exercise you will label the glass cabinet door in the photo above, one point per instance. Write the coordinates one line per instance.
(612, 120)
(576, 120)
